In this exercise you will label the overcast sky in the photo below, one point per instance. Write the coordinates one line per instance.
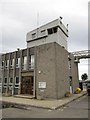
(17, 17)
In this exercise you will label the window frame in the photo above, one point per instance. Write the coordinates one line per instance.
(33, 35)
(32, 61)
(11, 65)
(6, 63)
(10, 80)
(52, 30)
(24, 63)
(5, 79)
(3, 64)
(0, 80)
(43, 32)
(17, 62)
(16, 80)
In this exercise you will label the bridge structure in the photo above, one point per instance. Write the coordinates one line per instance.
(81, 54)
(84, 54)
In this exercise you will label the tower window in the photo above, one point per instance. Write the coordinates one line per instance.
(43, 32)
(55, 29)
(34, 35)
(52, 30)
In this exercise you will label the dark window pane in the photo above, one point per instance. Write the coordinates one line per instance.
(11, 80)
(55, 29)
(3, 63)
(17, 79)
(5, 80)
(50, 31)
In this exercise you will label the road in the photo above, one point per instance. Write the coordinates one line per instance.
(76, 109)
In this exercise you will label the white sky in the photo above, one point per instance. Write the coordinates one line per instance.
(17, 17)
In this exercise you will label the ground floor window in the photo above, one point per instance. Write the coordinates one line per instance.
(11, 80)
(0, 80)
(5, 81)
(17, 80)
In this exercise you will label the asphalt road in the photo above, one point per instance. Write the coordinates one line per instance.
(76, 109)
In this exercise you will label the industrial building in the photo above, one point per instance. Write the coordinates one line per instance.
(45, 69)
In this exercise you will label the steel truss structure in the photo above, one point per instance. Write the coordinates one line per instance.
(81, 54)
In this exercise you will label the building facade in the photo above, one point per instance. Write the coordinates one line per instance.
(44, 69)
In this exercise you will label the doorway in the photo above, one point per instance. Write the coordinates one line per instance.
(27, 85)
(71, 84)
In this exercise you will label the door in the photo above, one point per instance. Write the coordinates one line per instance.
(27, 85)
(71, 85)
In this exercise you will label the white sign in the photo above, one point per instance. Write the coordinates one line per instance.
(42, 84)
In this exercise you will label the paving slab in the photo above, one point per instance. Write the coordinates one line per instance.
(47, 104)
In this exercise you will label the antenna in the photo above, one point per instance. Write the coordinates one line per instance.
(61, 18)
(37, 22)
(37, 19)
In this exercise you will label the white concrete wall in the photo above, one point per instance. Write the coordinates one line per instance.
(58, 37)
(62, 39)
(45, 27)
(49, 39)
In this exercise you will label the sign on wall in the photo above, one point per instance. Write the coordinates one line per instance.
(42, 84)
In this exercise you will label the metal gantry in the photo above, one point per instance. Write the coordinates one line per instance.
(82, 54)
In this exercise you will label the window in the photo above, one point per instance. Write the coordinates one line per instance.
(5, 80)
(43, 32)
(55, 29)
(17, 80)
(32, 60)
(0, 80)
(6, 63)
(11, 63)
(11, 80)
(52, 30)
(24, 62)
(2, 63)
(17, 62)
(34, 35)
(69, 64)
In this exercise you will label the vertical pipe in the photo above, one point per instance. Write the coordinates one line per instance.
(20, 69)
(14, 68)
(34, 92)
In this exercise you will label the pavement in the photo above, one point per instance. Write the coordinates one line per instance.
(25, 103)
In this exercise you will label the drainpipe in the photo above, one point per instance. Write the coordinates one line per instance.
(35, 57)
